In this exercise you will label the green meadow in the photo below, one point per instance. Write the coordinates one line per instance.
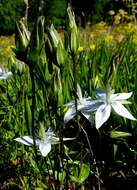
(68, 107)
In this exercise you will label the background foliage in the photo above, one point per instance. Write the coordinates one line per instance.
(55, 11)
(10, 11)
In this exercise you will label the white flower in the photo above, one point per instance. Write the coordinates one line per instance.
(84, 104)
(4, 74)
(44, 144)
(111, 101)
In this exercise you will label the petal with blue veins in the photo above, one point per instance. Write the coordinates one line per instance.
(121, 110)
(102, 115)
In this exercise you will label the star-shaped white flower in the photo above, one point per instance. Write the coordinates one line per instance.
(44, 144)
(4, 74)
(84, 104)
(111, 101)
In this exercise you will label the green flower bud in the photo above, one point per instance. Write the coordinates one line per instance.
(56, 46)
(54, 37)
(73, 38)
(22, 38)
(61, 55)
(36, 48)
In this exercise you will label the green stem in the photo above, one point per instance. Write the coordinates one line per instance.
(47, 106)
(75, 80)
(33, 109)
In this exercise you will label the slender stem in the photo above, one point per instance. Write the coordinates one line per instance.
(87, 140)
(94, 159)
(75, 80)
(26, 13)
(33, 108)
(47, 106)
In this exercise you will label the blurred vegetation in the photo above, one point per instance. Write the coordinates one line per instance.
(55, 11)
(10, 11)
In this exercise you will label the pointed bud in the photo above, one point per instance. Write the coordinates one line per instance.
(22, 38)
(54, 37)
(72, 32)
(36, 48)
(58, 51)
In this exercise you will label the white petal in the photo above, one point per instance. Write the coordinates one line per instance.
(27, 140)
(91, 106)
(88, 116)
(102, 115)
(49, 132)
(54, 139)
(57, 139)
(121, 110)
(120, 96)
(100, 93)
(1, 70)
(70, 104)
(4, 75)
(69, 114)
(68, 139)
(44, 148)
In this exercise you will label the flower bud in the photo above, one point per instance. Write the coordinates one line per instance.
(36, 48)
(22, 38)
(56, 46)
(72, 32)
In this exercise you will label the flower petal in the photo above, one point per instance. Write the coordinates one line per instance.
(4, 74)
(44, 148)
(54, 139)
(91, 106)
(100, 93)
(57, 139)
(120, 96)
(69, 139)
(121, 110)
(102, 115)
(88, 116)
(70, 104)
(49, 132)
(69, 114)
(27, 140)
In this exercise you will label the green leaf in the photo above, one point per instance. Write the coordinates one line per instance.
(61, 175)
(119, 134)
(28, 115)
(84, 173)
(74, 178)
(115, 147)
